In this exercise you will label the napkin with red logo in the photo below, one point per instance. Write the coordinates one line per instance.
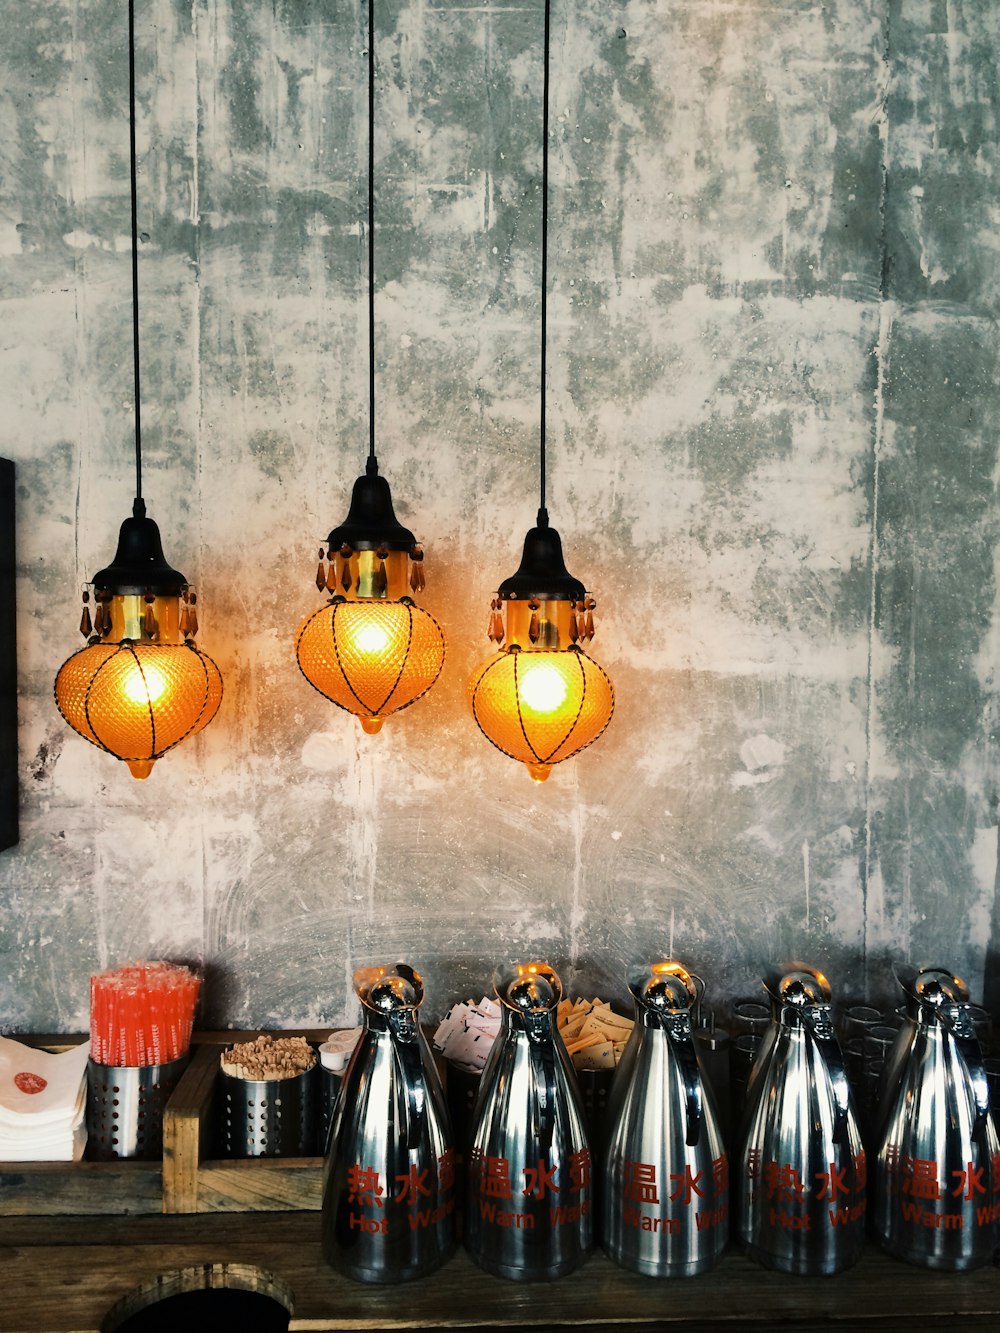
(43, 1098)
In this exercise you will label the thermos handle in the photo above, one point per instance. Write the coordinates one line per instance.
(678, 1026)
(543, 1062)
(410, 1083)
(967, 1045)
(817, 1018)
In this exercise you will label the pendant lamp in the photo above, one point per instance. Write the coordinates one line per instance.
(370, 650)
(141, 685)
(540, 698)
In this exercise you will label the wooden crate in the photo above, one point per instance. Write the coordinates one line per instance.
(186, 1181)
(49, 1189)
(195, 1182)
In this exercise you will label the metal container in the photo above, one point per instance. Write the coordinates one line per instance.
(462, 1091)
(125, 1106)
(529, 1205)
(331, 1083)
(801, 1170)
(274, 1117)
(389, 1181)
(665, 1196)
(594, 1086)
(937, 1169)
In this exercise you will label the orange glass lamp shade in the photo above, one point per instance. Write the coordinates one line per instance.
(371, 650)
(141, 686)
(138, 700)
(541, 699)
(371, 657)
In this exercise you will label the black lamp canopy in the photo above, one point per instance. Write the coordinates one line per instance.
(542, 574)
(371, 522)
(139, 567)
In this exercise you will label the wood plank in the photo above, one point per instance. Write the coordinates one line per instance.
(80, 1188)
(261, 1185)
(194, 1182)
(186, 1130)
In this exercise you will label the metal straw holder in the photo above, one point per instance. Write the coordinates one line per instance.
(274, 1117)
(125, 1107)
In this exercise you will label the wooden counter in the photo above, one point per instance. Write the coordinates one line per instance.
(62, 1275)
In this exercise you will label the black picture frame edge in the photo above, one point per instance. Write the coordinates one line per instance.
(9, 830)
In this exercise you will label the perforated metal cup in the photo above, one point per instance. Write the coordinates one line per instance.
(594, 1085)
(125, 1108)
(273, 1117)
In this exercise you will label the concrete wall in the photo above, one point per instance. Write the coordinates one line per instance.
(774, 412)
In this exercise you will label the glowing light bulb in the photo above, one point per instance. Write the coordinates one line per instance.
(542, 688)
(142, 687)
(371, 639)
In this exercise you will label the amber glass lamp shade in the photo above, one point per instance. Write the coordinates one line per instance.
(141, 685)
(138, 700)
(371, 650)
(541, 699)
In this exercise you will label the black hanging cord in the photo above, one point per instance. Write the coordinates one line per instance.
(543, 517)
(138, 508)
(372, 466)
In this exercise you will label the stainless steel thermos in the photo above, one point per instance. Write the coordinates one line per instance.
(389, 1180)
(937, 1168)
(801, 1171)
(529, 1207)
(665, 1181)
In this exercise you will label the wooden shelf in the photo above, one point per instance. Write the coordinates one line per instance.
(64, 1275)
(247, 1225)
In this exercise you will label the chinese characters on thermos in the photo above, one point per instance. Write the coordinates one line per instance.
(528, 1212)
(937, 1178)
(800, 1170)
(665, 1196)
(389, 1181)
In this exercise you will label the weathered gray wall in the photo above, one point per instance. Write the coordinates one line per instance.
(774, 413)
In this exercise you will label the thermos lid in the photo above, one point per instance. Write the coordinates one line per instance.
(797, 983)
(528, 988)
(663, 986)
(530, 994)
(389, 988)
(934, 986)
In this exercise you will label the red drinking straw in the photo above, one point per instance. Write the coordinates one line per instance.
(142, 1014)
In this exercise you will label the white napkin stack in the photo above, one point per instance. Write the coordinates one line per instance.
(43, 1101)
(467, 1033)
